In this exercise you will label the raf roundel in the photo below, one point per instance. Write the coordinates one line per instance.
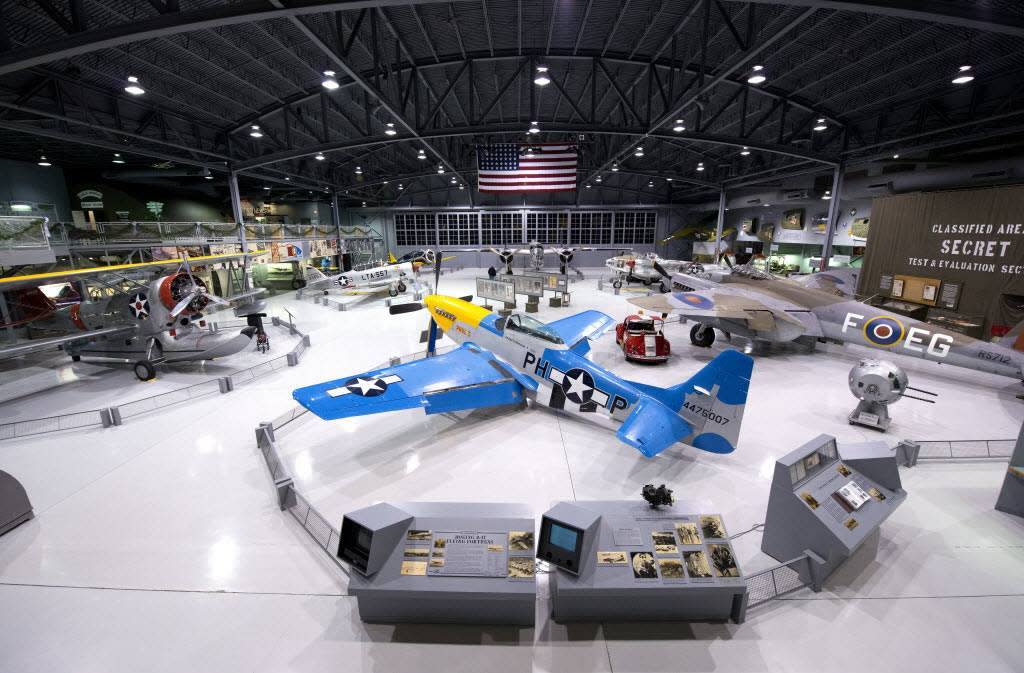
(883, 331)
(695, 300)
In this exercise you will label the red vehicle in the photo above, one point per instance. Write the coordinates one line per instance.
(643, 339)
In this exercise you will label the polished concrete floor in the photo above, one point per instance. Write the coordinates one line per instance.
(158, 546)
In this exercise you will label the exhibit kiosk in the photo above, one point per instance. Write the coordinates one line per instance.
(627, 561)
(441, 563)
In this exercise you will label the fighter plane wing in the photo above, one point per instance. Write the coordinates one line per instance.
(584, 325)
(722, 305)
(38, 345)
(465, 378)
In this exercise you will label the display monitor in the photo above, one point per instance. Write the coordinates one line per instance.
(355, 544)
(560, 544)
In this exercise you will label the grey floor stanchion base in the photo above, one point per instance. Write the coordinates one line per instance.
(15, 508)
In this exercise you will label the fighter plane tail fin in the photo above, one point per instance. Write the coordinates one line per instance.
(391, 258)
(313, 275)
(1014, 338)
(713, 400)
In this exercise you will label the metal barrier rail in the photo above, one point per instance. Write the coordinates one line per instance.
(974, 449)
(778, 580)
(116, 415)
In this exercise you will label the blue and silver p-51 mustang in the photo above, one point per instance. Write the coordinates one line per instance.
(504, 361)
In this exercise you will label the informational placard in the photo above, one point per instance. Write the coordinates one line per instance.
(885, 282)
(468, 554)
(553, 282)
(950, 296)
(497, 290)
(531, 286)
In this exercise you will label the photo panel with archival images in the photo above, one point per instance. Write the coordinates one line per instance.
(712, 527)
(852, 496)
(664, 542)
(697, 566)
(612, 558)
(521, 567)
(644, 565)
(671, 569)
(520, 540)
(843, 470)
(418, 535)
(723, 561)
(687, 533)
(416, 552)
(811, 501)
(437, 562)
(414, 567)
(439, 543)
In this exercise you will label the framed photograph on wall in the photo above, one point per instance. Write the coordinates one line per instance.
(897, 287)
(749, 225)
(928, 292)
(793, 219)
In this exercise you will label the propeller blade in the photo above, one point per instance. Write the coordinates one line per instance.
(468, 297)
(432, 337)
(437, 269)
(660, 269)
(183, 304)
(411, 307)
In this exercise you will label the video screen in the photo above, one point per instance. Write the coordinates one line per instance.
(563, 537)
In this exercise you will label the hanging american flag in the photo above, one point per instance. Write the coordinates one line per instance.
(511, 167)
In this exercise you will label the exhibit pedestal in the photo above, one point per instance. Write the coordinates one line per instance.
(629, 572)
(452, 563)
(829, 501)
(15, 508)
(1011, 496)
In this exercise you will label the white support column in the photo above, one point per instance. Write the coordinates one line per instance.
(236, 209)
(833, 217)
(719, 226)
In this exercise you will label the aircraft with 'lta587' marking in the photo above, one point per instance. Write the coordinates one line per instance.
(503, 361)
(751, 303)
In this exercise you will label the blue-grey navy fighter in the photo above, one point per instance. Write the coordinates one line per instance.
(503, 361)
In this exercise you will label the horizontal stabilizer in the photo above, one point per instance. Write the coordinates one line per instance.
(652, 427)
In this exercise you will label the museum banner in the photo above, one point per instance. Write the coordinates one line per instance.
(961, 251)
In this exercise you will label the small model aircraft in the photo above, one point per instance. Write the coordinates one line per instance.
(755, 304)
(391, 275)
(151, 323)
(503, 361)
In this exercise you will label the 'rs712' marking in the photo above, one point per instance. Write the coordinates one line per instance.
(706, 413)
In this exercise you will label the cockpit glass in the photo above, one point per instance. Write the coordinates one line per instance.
(533, 327)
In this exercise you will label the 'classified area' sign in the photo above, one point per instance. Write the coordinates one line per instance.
(973, 238)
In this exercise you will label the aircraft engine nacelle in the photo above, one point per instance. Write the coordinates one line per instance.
(175, 287)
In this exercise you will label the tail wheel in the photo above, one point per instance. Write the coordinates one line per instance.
(145, 370)
(401, 287)
(702, 335)
(616, 284)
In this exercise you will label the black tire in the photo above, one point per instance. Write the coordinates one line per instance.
(703, 340)
(392, 292)
(663, 287)
(648, 282)
(76, 358)
(144, 370)
(298, 283)
(616, 284)
(401, 287)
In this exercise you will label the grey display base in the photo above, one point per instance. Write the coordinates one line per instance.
(1011, 496)
(610, 593)
(390, 597)
(532, 307)
(871, 415)
(555, 302)
(15, 508)
(793, 527)
(510, 305)
(504, 312)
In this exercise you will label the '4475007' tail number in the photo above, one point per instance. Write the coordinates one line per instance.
(706, 413)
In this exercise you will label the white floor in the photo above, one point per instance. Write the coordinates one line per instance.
(157, 545)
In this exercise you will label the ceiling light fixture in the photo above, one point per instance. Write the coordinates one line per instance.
(208, 177)
(390, 130)
(533, 128)
(895, 156)
(588, 186)
(359, 170)
(669, 179)
(329, 83)
(440, 169)
(255, 132)
(133, 86)
(639, 152)
(542, 78)
(364, 204)
(615, 168)
(700, 166)
(756, 75)
(598, 179)
(820, 125)
(266, 188)
(462, 186)
(117, 158)
(319, 156)
(422, 155)
(401, 186)
(453, 180)
(679, 127)
(43, 161)
(745, 151)
(965, 75)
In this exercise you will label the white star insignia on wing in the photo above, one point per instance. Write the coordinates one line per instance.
(366, 385)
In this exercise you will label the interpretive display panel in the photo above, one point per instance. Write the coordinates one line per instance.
(497, 290)
(552, 282)
(453, 563)
(531, 286)
(829, 499)
(671, 563)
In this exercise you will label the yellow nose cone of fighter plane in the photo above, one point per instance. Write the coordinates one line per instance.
(446, 310)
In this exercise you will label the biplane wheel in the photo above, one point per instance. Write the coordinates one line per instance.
(401, 287)
(702, 336)
(616, 284)
(145, 370)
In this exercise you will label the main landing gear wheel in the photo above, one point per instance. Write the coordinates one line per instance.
(76, 358)
(145, 370)
(663, 287)
(401, 287)
(703, 336)
(616, 284)
(392, 292)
